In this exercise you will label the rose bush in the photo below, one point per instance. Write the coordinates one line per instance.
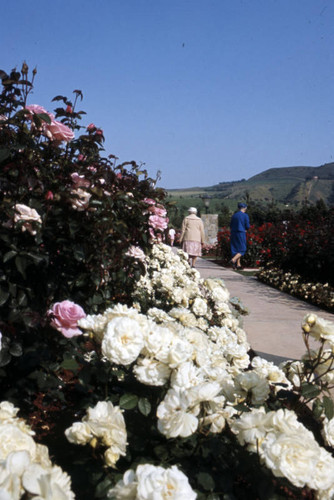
(132, 370)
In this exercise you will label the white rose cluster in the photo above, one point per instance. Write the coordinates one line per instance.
(25, 466)
(103, 424)
(149, 481)
(287, 448)
(319, 328)
(205, 369)
(170, 282)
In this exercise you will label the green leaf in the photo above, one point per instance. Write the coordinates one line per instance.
(206, 481)
(128, 401)
(328, 407)
(70, 364)
(310, 390)
(103, 488)
(16, 349)
(5, 358)
(21, 264)
(162, 452)
(3, 296)
(9, 255)
(45, 117)
(4, 154)
(144, 406)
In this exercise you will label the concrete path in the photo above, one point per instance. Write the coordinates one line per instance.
(273, 326)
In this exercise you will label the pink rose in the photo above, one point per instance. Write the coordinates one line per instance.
(161, 211)
(136, 253)
(81, 200)
(36, 108)
(158, 223)
(57, 131)
(69, 109)
(149, 201)
(65, 316)
(79, 180)
(91, 127)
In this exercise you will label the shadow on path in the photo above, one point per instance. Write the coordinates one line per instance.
(273, 325)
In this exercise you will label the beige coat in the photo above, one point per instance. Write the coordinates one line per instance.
(192, 229)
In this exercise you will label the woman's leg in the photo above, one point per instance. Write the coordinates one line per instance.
(194, 261)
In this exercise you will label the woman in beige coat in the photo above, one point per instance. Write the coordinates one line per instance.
(192, 235)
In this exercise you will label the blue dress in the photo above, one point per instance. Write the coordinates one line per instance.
(239, 225)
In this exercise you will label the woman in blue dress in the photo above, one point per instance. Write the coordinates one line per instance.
(239, 225)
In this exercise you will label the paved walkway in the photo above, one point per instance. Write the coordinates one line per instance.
(273, 326)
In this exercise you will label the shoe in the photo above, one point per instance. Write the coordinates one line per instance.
(233, 264)
(239, 268)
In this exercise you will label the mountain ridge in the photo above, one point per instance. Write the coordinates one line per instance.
(283, 184)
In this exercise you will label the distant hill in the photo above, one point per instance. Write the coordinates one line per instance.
(288, 185)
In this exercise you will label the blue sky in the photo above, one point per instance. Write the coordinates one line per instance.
(203, 90)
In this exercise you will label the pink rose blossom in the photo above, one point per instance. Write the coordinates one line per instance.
(65, 316)
(55, 131)
(81, 200)
(36, 108)
(79, 180)
(81, 157)
(26, 215)
(161, 211)
(59, 131)
(135, 252)
(158, 223)
(149, 201)
(69, 109)
(91, 127)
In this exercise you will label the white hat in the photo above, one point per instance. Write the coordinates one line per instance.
(192, 210)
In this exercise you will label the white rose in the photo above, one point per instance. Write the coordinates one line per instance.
(180, 351)
(173, 418)
(11, 470)
(103, 417)
(184, 316)
(251, 428)
(79, 433)
(328, 432)
(123, 341)
(220, 294)
(159, 315)
(206, 391)
(323, 475)
(293, 456)
(8, 412)
(254, 385)
(158, 341)
(157, 482)
(295, 371)
(126, 488)
(53, 484)
(12, 438)
(186, 375)
(319, 328)
(199, 307)
(151, 372)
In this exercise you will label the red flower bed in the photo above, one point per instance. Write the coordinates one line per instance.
(298, 245)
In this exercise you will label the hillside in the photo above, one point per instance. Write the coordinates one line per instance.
(285, 185)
